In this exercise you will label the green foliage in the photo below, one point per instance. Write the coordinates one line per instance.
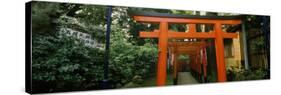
(43, 16)
(66, 62)
(128, 60)
(254, 24)
(63, 63)
(258, 44)
(242, 74)
(253, 21)
(47, 16)
(91, 15)
(182, 12)
(183, 58)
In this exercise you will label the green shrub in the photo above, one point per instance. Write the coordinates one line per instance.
(64, 64)
(242, 74)
(128, 61)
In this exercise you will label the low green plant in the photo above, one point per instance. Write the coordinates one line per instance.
(241, 74)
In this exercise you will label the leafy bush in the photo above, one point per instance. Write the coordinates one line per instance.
(60, 64)
(64, 63)
(242, 74)
(128, 60)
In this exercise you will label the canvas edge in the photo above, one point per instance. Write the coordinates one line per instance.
(28, 31)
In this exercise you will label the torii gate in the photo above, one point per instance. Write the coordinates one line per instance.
(163, 34)
(190, 48)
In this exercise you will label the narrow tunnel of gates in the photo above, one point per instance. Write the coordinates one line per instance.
(196, 49)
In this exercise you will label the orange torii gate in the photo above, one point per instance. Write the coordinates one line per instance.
(190, 48)
(163, 34)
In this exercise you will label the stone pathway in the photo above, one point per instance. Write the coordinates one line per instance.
(186, 78)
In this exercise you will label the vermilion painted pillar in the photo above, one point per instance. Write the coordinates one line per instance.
(162, 45)
(220, 53)
(204, 60)
(199, 63)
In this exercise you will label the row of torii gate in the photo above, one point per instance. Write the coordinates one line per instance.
(198, 60)
(197, 55)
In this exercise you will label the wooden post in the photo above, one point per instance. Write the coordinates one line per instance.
(199, 63)
(245, 46)
(204, 62)
(192, 28)
(220, 53)
(175, 71)
(162, 45)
